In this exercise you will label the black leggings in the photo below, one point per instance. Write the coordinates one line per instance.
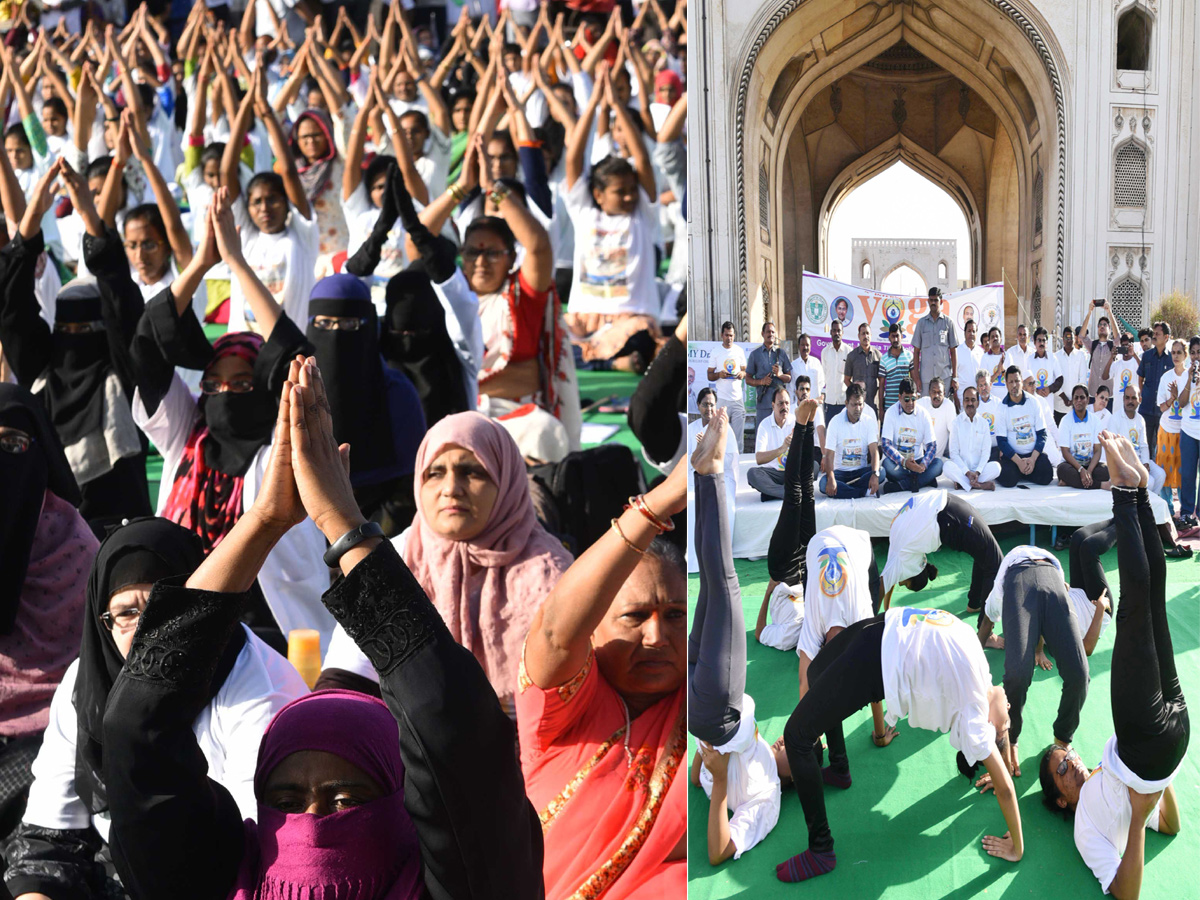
(717, 643)
(963, 529)
(1088, 544)
(797, 521)
(846, 675)
(1148, 709)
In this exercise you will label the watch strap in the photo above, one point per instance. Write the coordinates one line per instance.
(349, 540)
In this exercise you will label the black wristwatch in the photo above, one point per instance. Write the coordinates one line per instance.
(349, 540)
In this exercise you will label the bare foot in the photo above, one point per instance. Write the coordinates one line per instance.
(994, 642)
(1124, 468)
(1042, 661)
(806, 410)
(709, 456)
(985, 486)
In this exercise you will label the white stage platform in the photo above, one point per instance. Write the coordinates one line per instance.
(1050, 505)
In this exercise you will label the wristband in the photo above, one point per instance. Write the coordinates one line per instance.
(350, 540)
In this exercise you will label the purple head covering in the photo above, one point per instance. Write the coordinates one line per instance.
(369, 852)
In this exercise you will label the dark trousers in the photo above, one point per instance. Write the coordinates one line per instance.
(797, 521)
(1069, 476)
(1036, 605)
(851, 483)
(1149, 712)
(717, 643)
(831, 410)
(1152, 434)
(846, 675)
(1088, 544)
(1043, 472)
(963, 529)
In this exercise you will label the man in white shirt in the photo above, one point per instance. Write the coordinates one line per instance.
(967, 361)
(929, 667)
(970, 465)
(910, 456)
(727, 367)
(1073, 362)
(851, 463)
(990, 407)
(1080, 444)
(1047, 379)
(1021, 436)
(941, 413)
(1018, 354)
(771, 445)
(1126, 421)
(807, 364)
(1122, 368)
(833, 365)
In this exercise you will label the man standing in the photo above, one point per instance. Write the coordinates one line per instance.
(1047, 379)
(1021, 436)
(1122, 369)
(970, 464)
(1101, 348)
(941, 413)
(767, 369)
(1018, 355)
(728, 370)
(772, 442)
(1155, 363)
(895, 366)
(935, 343)
(851, 451)
(1073, 362)
(968, 360)
(862, 366)
(807, 364)
(910, 456)
(833, 366)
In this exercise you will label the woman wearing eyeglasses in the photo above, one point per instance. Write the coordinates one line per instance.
(54, 850)
(215, 449)
(1132, 789)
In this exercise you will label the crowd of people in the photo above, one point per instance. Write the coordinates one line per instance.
(293, 298)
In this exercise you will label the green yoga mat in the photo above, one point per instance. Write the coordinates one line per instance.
(910, 826)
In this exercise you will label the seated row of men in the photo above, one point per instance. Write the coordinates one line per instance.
(993, 442)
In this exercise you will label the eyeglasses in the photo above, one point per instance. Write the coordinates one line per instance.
(471, 255)
(237, 386)
(124, 621)
(338, 323)
(144, 246)
(1066, 761)
(15, 442)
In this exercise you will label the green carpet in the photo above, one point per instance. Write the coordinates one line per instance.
(910, 827)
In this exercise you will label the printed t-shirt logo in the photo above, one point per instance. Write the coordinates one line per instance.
(831, 564)
(929, 616)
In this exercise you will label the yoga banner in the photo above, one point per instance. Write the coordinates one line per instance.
(826, 300)
(700, 354)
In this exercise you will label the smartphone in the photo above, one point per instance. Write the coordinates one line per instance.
(1099, 301)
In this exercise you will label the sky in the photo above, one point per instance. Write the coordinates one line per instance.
(897, 203)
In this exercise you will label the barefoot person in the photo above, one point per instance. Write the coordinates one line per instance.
(1132, 789)
(734, 764)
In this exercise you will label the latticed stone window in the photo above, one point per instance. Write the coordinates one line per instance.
(1129, 175)
(1127, 302)
(1035, 303)
(1039, 190)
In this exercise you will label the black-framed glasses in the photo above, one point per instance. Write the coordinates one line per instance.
(1065, 763)
(237, 386)
(124, 620)
(15, 442)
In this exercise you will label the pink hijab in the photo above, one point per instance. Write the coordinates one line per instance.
(521, 560)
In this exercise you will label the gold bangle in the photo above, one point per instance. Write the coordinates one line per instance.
(456, 192)
(628, 543)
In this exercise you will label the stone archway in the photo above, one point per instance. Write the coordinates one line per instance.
(805, 61)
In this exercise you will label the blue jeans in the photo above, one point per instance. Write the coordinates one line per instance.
(913, 481)
(851, 483)
(1189, 458)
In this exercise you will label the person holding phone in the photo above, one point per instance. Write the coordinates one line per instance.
(1101, 348)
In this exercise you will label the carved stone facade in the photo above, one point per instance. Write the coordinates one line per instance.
(873, 259)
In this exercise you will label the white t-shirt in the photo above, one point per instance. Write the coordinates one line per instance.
(1075, 368)
(228, 732)
(914, 533)
(1191, 412)
(1102, 417)
(752, 783)
(1172, 420)
(989, 363)
(909, 432)
(851, 443)
(1123, 373)
(968, 361)
(991, 410)
(1102, 819)
(1078, 438)
(731, 361)
(816, 376)
(1084, 611)
(614, 256)
(770, 437)
(1020, 424)
(785, 610)
(285, 262)
(1045, 370)
(833, 368)
(942, 417)
(993, 606)
(1134, 429)
(970, 442)
(838, 591)
(935, 673)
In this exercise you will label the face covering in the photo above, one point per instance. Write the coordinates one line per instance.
(79, 363)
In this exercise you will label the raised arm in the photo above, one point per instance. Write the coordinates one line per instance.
(600, 48)
(413, 182)
(110, 194)
(352, 172)
(279, 146)
(538, 265)
(231, 159)
(633, 141)
(560, 635)
(577, 143)
(229, 246)
(177, 235)
(439, 115)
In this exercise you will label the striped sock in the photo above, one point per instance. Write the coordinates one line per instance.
(837, 779)
(806, 865)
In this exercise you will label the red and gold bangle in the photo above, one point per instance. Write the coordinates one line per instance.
(639, 503)
(628, 543)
